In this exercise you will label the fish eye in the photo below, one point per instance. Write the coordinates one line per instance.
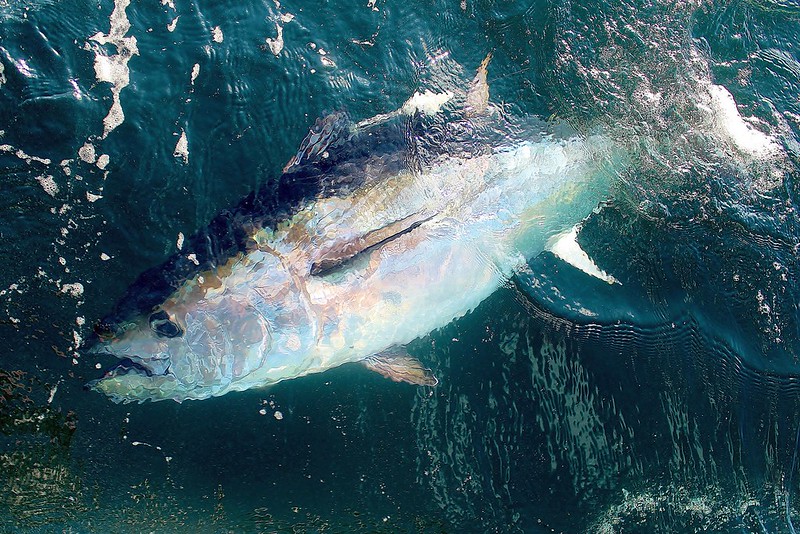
(161, 324)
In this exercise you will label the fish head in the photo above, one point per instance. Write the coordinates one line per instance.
(243, 330)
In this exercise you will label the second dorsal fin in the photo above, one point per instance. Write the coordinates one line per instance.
(478, 94)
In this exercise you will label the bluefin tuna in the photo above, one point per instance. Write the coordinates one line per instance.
(378, 233)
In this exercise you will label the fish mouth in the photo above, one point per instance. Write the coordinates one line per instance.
(121, 368)
(131, 381)
(127, 365)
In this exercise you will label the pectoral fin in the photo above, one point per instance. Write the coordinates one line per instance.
(341, 252)
(397, 364)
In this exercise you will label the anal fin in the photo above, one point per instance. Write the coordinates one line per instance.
(395, 363)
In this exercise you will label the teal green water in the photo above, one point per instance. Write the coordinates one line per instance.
(669, 403)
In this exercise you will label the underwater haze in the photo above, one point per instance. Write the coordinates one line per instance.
(666, 402)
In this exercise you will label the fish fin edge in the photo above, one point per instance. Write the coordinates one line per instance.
(565, 247)
(326, 133)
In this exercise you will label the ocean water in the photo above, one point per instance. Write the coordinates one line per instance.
(667, 403)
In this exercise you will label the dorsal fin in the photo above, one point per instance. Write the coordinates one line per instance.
(327, 131)
(430, 102)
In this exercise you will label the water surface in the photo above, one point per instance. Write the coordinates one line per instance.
(668, 403)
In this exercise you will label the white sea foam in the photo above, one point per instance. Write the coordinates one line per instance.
(74, 290)
(27, 158)
(276, 45)
(87, 153)
(182, 148)
(429, 102)
(23, 68)
(744, 136)
(114, 69)
(102, 161)
(48, 184)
